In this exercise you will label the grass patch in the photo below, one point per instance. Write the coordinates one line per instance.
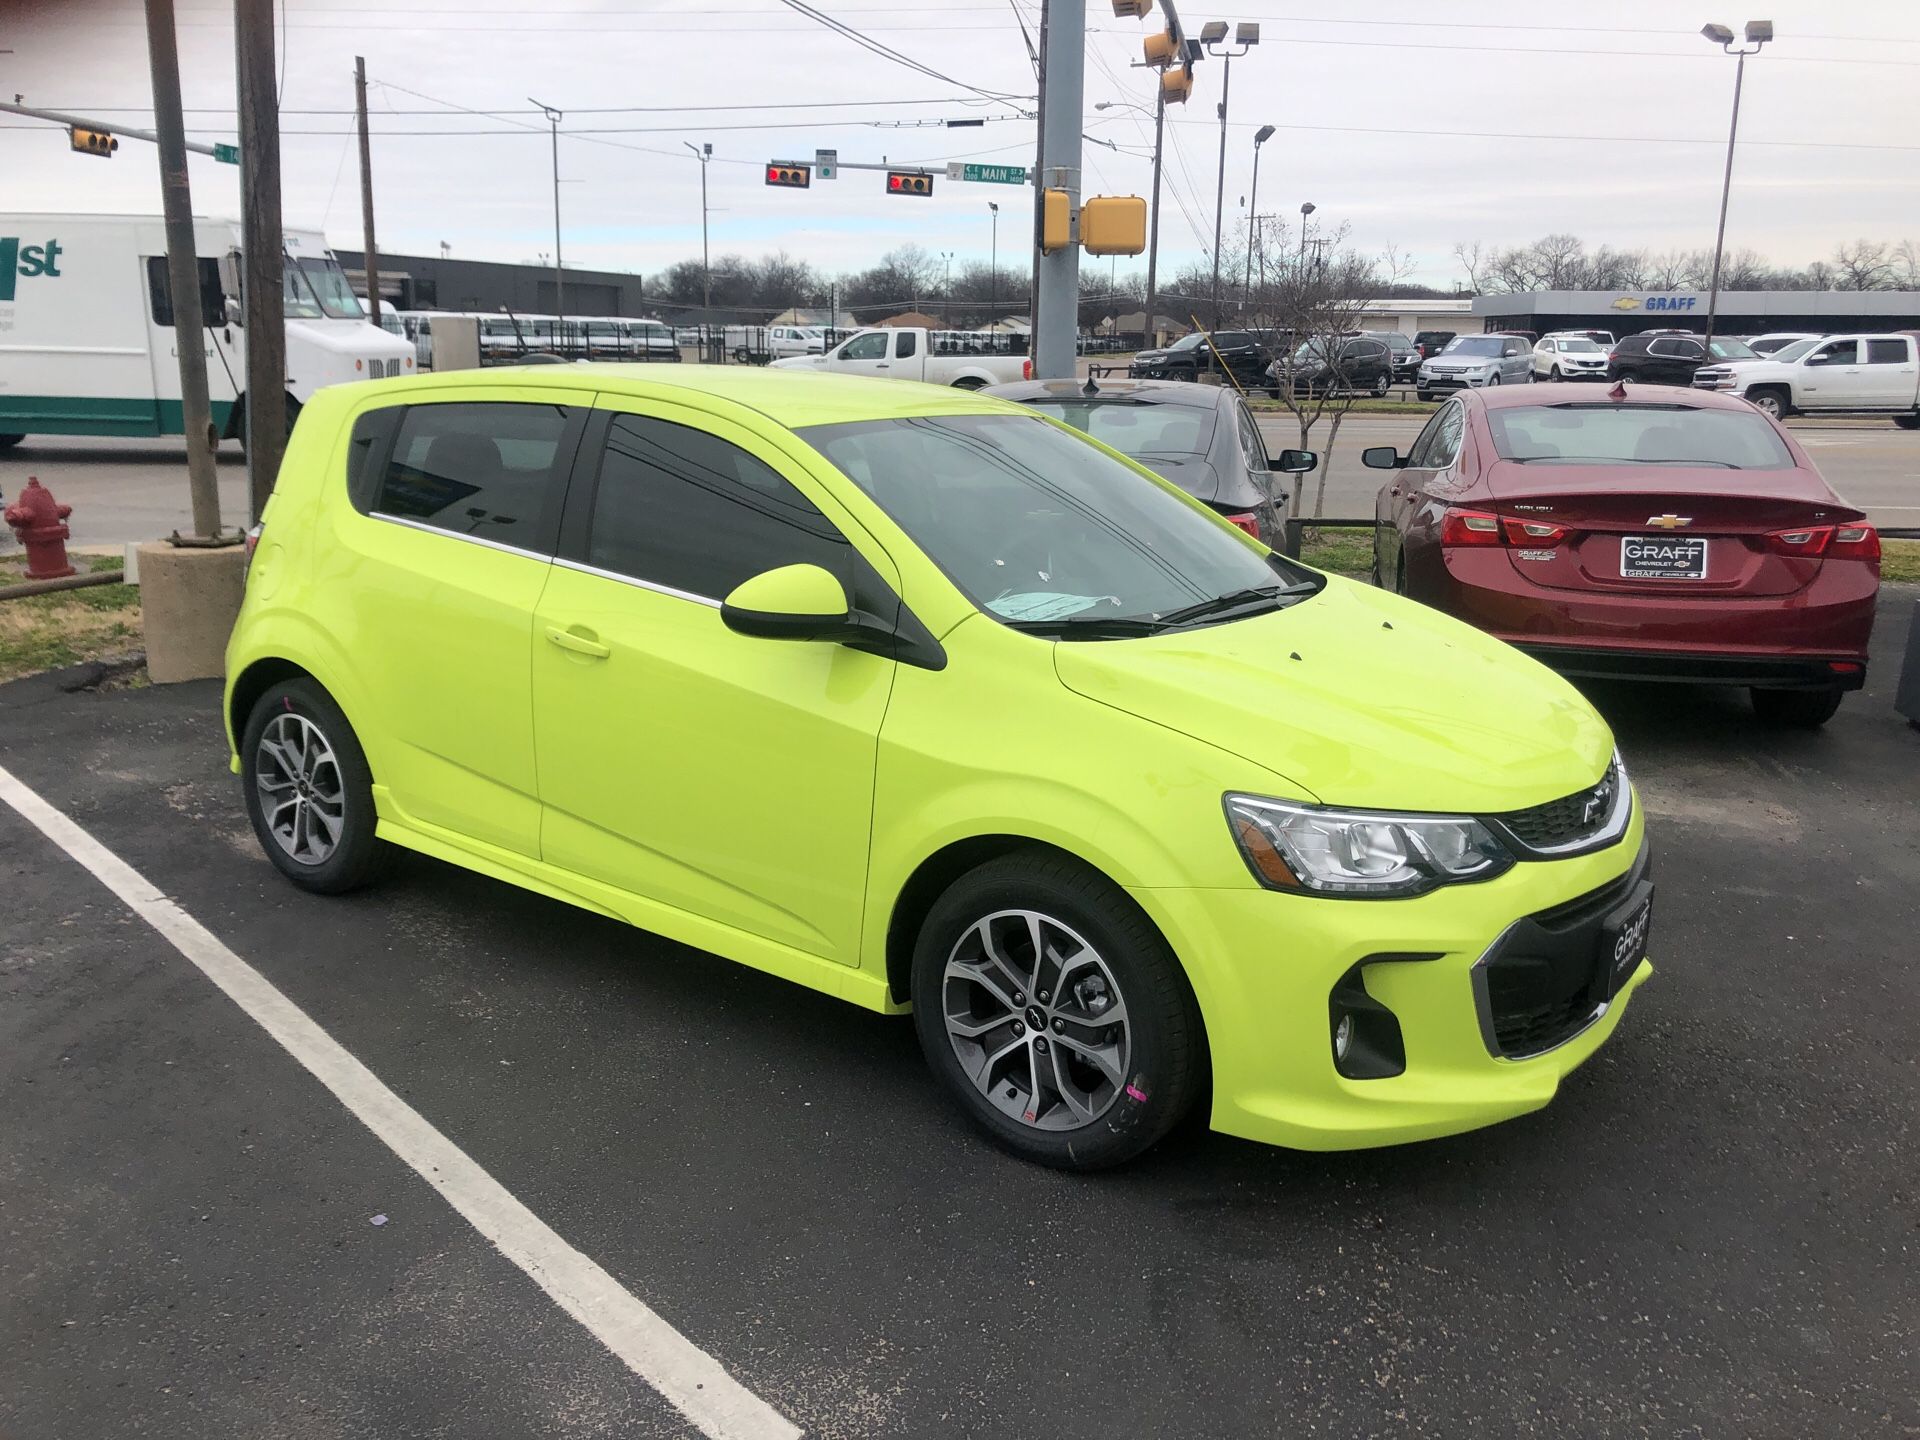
(1344, 552)
(45, 632)
(1900, 561)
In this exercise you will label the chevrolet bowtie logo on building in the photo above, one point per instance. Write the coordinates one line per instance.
(1670, 522)
(1626, 302)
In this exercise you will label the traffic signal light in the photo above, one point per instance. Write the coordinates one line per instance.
(1113, 225)
(1056, 221)
(1176, 84)
(790, 173)
(1162, 49)
(92, 142)
(1132, 9)
(909, 182)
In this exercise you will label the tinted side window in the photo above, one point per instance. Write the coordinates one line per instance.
(492, 471)
(1439, 443)
(687, 510)
(366, 453)
(1886, 352)
(905, 344)
(213, 300)
(1251, 440)
(1841, 352)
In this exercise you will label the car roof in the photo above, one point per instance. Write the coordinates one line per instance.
(1180, 392)
(1513, 397)
(791, 398)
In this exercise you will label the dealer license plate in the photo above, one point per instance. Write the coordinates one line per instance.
(1623, 945)
(1662, 557)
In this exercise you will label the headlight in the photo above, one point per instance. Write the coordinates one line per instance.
(1307, 848)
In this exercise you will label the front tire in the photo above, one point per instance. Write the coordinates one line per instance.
(1796, 709)
(1493, 380)
(309, 791)
(1905, 422)
(1424, 396)
(1554, 375)
(1054, 1013)
(1770, 402)
(7, 442)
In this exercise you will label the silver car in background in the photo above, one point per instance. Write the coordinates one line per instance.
(1476, 361)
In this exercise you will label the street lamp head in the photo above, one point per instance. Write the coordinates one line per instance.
(1307, 209)
(1247, 33)
(1718, 34)
(1213, 32)
(1759, 32)
(994, 206)
(1263, 134)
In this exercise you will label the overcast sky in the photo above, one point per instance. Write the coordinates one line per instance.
(1419, 125)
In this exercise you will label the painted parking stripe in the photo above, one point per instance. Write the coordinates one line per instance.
(689, 1378)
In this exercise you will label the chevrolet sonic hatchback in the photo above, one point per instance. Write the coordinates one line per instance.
(927, 701)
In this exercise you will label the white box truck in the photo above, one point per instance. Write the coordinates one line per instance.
(86, 326)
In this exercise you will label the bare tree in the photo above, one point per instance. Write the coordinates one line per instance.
(1862, 265)
(1311, 308)
(1472, 259)
(1906, 259)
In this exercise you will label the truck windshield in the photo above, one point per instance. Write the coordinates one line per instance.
(316, 288)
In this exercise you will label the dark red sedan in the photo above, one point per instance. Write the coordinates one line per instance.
(1646, 532)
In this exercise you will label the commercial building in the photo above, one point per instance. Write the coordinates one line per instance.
(423, 282)
(1740, 312)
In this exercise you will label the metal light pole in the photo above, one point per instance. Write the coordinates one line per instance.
(993, 268)
(1305, 210)
(703, 153)
(1261, 136)
(1758, 33)
(1153, 218)
(946, 285)
(559, 289)
(1213, 35)
(1062, 117)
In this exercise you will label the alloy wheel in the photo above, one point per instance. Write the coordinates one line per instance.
(301, 792)
(1036, 1019)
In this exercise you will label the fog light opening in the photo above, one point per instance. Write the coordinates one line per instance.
(1365, 1034)
(1342, 1039)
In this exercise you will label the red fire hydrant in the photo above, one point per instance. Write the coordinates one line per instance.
(37, 521)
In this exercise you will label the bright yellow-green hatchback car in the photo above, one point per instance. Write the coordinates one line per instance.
(925, 700)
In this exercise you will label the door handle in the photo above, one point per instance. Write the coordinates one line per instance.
(883, 365)
(578, 643)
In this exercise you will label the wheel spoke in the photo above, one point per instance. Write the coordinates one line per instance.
(1104, 1058)
(978, 975)
(330, 824)
(1082, 1111)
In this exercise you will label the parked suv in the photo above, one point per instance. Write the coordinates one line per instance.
(1568, 357)
(1242, 351)
(1474, 361)
(922, 700)
(1352, 362)
(1669, 357)
(1406, 355)
(1431, 342)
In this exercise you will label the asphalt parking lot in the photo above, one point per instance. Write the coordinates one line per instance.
(1714, 1231)
(124, 490)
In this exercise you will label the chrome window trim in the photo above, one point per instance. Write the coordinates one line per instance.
(581, 568)
(480, 540)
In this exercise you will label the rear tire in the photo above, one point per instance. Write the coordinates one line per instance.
(1905, 422)
(309, 792)
(969, 383)
(1381, 386)
(7, 442)
(1798, 709)
(1041, 1078)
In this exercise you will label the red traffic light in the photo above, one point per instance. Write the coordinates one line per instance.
(909, 182)
(788, 173)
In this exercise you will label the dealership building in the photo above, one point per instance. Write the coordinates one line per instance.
(1740, 312)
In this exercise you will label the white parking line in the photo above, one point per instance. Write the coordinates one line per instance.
(689, 1378)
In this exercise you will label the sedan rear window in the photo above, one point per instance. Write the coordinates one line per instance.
(1636, 435)
(1137, 427)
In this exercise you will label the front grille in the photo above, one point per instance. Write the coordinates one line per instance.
(382, 369)
(1570, 820)
(1535, 1008)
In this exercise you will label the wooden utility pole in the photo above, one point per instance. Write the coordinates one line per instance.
(183, 272)
(264, 246)
(372, 260)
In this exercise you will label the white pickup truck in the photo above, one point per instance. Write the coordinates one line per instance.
(1834, 375)
(905, 353)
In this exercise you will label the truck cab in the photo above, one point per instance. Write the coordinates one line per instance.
(906, 352)
(1833, 375)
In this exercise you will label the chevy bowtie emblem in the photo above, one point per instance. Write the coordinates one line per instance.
(1669, 522)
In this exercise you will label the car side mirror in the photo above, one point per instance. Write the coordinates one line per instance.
(234, 313)
(1296, 462)
(1819, 359)
(1382, 457)
(794, 602)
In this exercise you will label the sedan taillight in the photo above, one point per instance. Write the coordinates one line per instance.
(1247, 521)
(1469, 527)
(1836, 542)
(1534, 533)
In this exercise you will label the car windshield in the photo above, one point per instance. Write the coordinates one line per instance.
(317, 287)
(1188, 342)
(1614, 434)
(1476, 345)
(1577, 347)
(1793, 351)
(1047, 533)
(1138, 427)
(1734, 350)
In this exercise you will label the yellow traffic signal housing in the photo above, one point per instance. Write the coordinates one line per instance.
(1113, 225)
(92, 142)
(1176, 85)
(1056, 221)
(1161, 49)
(790, 174)
(909, 182)
(1132, 9)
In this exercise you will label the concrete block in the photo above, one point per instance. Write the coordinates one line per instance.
(188, 601)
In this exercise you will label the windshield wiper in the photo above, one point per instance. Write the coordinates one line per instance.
(1088, 627)
(1264, 596)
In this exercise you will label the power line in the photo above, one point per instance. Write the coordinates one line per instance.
(573, 110)
(887, 52)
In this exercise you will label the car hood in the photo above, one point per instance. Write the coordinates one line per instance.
(1152, 357)
(1357, 697)
(810, 361)
(1772, 369)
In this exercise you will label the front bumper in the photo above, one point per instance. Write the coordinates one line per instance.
(1471, 380)
(1265, 964)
